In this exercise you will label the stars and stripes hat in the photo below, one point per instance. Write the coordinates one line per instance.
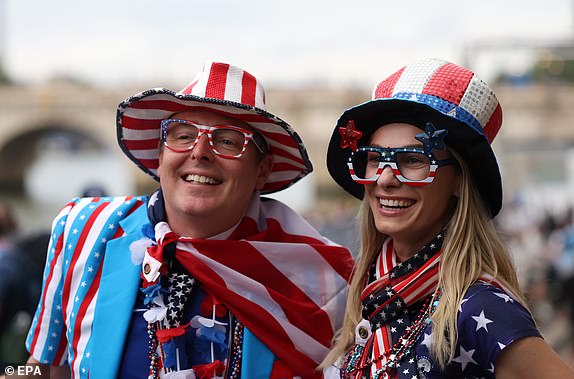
(221, 88)
(430, 90)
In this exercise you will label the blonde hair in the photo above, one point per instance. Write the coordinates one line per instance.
(471, 247)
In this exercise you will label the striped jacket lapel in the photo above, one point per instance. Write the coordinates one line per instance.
(116, 298)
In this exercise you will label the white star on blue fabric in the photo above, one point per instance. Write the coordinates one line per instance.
(491, 369)
(427, 341)
(481, 321)
(465, 357)
(452, 112)
(153, 198)
(505, 297)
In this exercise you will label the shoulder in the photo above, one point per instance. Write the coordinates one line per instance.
(488, 312)
(99, 218)
(83, 208)
(482, 294)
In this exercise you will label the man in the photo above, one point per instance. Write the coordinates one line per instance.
(204, 278)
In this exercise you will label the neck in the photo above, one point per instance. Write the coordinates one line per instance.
(405, 248)
(196, 227)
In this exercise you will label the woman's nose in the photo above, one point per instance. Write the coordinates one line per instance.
(388, 177)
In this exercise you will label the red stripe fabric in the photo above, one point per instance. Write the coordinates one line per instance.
(293, 301)
(281, 138)
(144, 144)
(249, 88)
(269, 331)
(140, 124)
(280, 371)
(449, 82)
(83, 310)
(75, 257)
(171, 106)
(283, 153)
(281, 166)
(150, 163)
(410, 288)
(217, 81)
(385, 89)
(86, 302)
(57, 252)
(61, 352)
(493, 125)
(189, 89)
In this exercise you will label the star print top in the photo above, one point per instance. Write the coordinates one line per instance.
(488, 321)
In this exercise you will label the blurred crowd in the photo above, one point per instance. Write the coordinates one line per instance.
(542, 246)
(21, 263)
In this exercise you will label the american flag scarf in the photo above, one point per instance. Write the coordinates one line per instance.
(275, 273)
(392, 297)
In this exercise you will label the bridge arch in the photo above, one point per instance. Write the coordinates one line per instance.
(21, 149)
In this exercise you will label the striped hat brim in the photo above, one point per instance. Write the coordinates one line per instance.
(138, 132)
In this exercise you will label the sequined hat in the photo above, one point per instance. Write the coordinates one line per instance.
(431, 90)
(220, 88)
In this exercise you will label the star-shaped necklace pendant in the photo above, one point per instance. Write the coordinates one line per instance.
(350, 136)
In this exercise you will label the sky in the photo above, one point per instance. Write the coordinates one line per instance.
(284, 43)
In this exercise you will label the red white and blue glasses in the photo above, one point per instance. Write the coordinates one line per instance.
(410, 165)
(227, 141)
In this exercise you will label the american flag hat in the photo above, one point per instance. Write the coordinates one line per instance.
(221, 88)
(430, 90)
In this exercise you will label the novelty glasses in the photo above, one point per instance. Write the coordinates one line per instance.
(410, 165)
(227, 141)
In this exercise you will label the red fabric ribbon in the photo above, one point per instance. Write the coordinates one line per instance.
(209, 370)
(164, 335)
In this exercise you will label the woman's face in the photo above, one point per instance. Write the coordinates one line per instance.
(411, 216)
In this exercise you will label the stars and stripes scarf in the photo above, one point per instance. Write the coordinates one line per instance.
(392, 297)
(276, 274)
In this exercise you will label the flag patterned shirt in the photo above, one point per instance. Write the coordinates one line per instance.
(488, 321)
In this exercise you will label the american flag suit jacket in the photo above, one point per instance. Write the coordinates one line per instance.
(91, 281)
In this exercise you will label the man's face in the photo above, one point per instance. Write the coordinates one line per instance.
(204, 193)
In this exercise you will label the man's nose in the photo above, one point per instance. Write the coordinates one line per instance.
(202, 149)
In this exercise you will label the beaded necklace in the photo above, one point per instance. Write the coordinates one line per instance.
(408, 340)
(401, 348)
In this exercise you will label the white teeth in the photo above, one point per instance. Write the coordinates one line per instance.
(200, 179)
(396, 203)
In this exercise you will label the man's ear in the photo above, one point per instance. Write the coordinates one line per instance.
(264, 167)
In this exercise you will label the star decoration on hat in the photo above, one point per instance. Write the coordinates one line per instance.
(432, 139)
(350, 136)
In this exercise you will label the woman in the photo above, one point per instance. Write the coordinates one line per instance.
(419, 156)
